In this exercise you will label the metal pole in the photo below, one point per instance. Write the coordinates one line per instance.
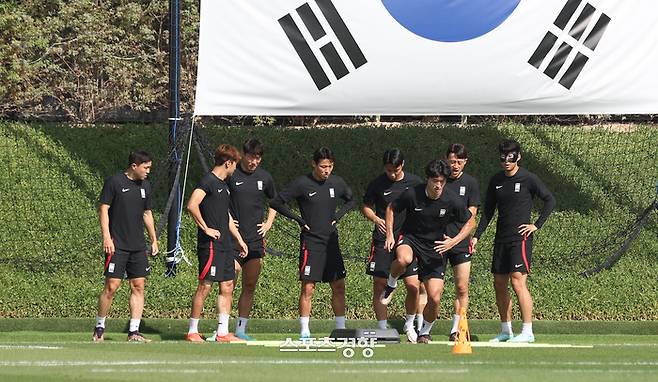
(174, 123)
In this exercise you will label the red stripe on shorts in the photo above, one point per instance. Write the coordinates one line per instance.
(305, 250)
(107, 262)
(523, 254)
(372, 251)
(206, 268)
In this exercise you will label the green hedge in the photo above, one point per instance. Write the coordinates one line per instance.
(50, 249)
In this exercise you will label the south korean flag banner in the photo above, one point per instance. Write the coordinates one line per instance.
(388, 57)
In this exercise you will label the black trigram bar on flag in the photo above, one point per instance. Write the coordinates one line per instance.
(327, 50)
(574, 40)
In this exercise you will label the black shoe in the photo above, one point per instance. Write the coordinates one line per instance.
(98, 335)
(387, 295)
(424, 339)
(137, 337)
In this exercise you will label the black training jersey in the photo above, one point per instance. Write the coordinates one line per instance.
(247, 192)
(128, 199)
(214, 211)
(317, 202)
(427, 218)
(512, 196)
(381, 192)
(467, 188)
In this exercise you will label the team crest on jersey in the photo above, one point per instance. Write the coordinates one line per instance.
(143, 193)
(331, 193)
(442, 213)
(517, 187)
(462, 190)
(260, 185)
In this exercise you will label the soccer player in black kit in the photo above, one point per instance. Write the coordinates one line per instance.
(125, 209)
(466, 187)
(250, 185)
(429, 209)
(320, 259)
(209, 207)
(380, 192)
(511, 192)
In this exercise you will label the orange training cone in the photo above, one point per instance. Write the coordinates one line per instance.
(463, 342)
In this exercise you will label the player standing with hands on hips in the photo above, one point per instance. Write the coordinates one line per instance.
(209, 207)
(320, 259)
(511, 192)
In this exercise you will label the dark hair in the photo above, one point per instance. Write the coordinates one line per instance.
(253, 146)
(509, 145)
(394, 157)
(436, 168)
(138, 157)
(323, 153)
(225, 153)
(458, 149)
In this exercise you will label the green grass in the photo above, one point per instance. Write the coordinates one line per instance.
(66, 355)
(602, 178)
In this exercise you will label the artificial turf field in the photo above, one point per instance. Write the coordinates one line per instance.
(582, 356)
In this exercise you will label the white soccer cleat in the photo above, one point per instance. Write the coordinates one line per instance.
(387, 295)
(523, 338)
(502, 337)
(212, 337)
(412, 336)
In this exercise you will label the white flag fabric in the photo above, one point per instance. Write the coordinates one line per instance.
(422, 57)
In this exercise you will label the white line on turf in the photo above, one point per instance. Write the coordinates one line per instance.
(59, 363)
(512, 345)
(31, 347)
(599, 371)
(155, 371)
(399, 371)
(343, 371)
